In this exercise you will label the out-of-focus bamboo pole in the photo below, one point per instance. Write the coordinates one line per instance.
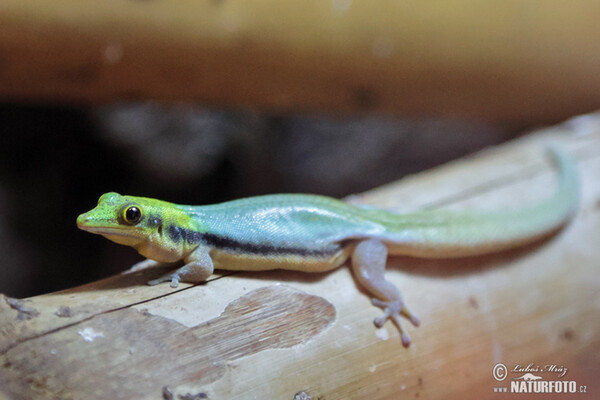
(506, 60)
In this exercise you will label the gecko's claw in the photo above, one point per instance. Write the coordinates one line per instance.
(393, 310)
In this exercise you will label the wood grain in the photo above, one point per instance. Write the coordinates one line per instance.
(509, 61)
(285, 335)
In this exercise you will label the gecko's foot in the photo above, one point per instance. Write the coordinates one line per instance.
(393, 310)
(173, 278)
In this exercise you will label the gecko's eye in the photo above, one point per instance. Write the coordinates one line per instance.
(132, 215)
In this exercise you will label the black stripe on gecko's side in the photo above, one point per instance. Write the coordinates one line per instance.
(178, 234)
(225, 243)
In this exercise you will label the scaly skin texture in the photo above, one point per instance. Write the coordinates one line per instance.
(316, 233)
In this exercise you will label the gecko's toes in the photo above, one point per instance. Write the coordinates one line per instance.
(167, 278)
(405, 339)
(415, 320)
(393, 310)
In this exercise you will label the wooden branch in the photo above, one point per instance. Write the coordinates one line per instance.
(499, 60)
(283, 335)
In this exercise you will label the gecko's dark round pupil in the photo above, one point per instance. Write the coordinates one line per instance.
(132, 215)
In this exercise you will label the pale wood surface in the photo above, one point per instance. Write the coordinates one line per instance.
(275, 334)
(519, 61)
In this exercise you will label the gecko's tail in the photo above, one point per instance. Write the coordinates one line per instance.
(566, 197)
(456, 234)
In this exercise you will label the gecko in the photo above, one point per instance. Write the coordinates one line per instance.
(314, 233)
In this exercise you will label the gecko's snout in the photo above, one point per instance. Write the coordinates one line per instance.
(82, 221)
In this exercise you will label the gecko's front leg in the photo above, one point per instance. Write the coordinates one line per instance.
(198, 268)
(368, 263)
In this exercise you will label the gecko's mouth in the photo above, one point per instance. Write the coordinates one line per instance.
(117, 235)
(102, 230)
(87, 224)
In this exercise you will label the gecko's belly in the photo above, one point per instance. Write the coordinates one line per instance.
(229, 259)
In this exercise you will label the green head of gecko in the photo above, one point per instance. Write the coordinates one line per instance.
(134, 221)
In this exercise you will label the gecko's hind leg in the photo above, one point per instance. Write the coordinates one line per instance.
(368, 263)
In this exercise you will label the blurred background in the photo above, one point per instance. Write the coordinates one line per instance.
(217, 100)
(56, 162)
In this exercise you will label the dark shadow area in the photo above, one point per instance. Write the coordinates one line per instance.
(453, 267)
(56, 161)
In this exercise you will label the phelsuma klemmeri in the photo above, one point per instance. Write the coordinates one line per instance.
(315, 233)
